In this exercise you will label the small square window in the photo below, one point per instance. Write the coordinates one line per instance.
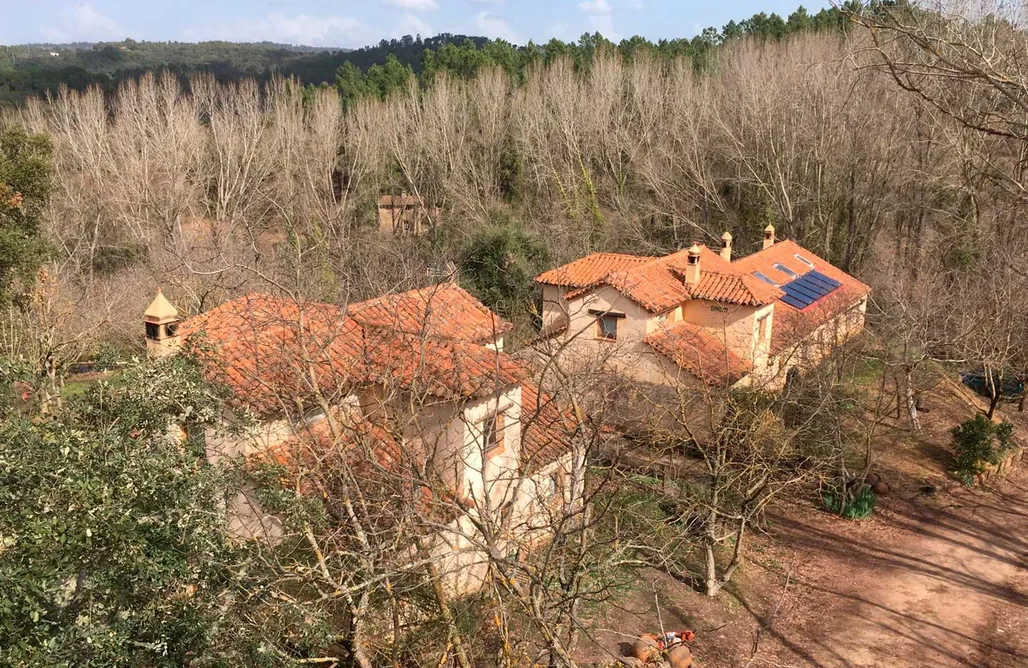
(153, 331)
(608, 326)
(171, 328)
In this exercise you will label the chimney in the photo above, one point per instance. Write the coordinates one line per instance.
(726, 246)
(692, 268)
(161, 322)
(769, 236)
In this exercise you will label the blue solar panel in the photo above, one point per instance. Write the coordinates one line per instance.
(808, 288)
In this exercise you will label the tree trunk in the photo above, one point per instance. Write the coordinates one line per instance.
(442, 599)
(355, 642)
(915, 421)
(713, 585)
(993, 403)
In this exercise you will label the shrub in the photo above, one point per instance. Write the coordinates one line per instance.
(861, 506)
(977, 442)
(498, 265)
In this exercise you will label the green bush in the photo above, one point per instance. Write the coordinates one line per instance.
(977, 442)
(498, 265)
(861, 506)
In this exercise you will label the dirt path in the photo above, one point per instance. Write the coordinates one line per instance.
(917, 586)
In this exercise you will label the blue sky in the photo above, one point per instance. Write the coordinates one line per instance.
(352, 23)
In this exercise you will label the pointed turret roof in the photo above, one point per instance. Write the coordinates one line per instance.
(160, 309)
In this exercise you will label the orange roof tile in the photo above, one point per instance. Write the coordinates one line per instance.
(791, 325)
(546, 428)
(656, 284)
(444, 311)
(444, 369)
(263, 348)
(269, 351)
(590, 269)
(735, 289)
(700, 352)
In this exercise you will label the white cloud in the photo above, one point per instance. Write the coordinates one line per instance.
(604, 24)
(412, 25)
(300, 29)
(82, 23)
(490, 25)
(414, 5)
(595, 7)
(635, 4)
(600, 19)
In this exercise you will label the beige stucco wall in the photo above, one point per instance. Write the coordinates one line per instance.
(554, 308)
(489, 481)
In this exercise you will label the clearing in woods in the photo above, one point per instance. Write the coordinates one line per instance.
(937, 577)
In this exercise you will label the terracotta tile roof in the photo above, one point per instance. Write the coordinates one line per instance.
(546, 428)
(444, 369)
(444, 311)
(700, 352)
(591, 269)
(269, 351)
(735, 289)
(791, 325)
(261, 347)
(654, 283)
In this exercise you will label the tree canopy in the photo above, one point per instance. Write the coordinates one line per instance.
(26, 174)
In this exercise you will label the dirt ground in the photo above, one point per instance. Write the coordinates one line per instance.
(938, 576)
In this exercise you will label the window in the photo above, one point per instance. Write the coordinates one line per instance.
(803, 260)
(762, 328)
(153, 332)
(492, 435)
(547, 488)
(608, 326)
(785, 270)
(171, 328)
(764, 278)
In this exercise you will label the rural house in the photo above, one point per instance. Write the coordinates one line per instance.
(405, 214)
(416, 380)
(700, 314)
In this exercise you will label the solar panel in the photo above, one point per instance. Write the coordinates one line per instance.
(808, 288)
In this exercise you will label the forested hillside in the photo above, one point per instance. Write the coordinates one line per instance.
(890, 141)
(37, 69)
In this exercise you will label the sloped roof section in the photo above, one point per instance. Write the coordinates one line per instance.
(792, 325)
(740, 289)
(269, 350)
(444, 311)
(654, 283)
(700, 352)
(590, 269)
(444, 369)
(547, 428)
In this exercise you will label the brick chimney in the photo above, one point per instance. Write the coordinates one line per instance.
(726, 246)
(769, 236)
(692, 267)
(161, 322)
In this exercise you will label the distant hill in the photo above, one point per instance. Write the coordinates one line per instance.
(36, 69)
